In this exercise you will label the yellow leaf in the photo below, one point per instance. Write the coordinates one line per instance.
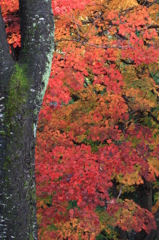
(123, 4)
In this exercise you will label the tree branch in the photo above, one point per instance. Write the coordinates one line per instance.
(153, 117)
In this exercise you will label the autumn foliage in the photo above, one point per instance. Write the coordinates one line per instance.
(98, 132)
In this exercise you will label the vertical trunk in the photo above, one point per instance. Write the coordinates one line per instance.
(22, 87)
(115, 193)
(19, 198)
(144, 193)
(6, 69)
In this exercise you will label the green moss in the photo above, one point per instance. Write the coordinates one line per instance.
(26, 184)
(7, 163)
(31, 236)
(18, 91)
(33, 194)
(2, 133)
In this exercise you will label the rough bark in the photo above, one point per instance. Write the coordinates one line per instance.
(22, 87)
(144, 193)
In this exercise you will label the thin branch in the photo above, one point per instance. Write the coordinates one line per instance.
(151, 3)
(120, 192)
(153, 117)
(79, 37)
(153, 26)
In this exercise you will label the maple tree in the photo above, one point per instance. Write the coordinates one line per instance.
(97, 141)
(98, 129)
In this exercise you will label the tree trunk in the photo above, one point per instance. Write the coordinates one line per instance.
(22, 87)
(144, 193)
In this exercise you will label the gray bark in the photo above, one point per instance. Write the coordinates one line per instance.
(22, 87)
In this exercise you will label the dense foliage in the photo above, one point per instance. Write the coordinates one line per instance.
(98, 132)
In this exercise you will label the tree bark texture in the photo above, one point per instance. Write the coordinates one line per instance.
(144, 193)
(22, 87)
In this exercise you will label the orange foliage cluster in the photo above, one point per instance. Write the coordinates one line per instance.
(99, 121)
